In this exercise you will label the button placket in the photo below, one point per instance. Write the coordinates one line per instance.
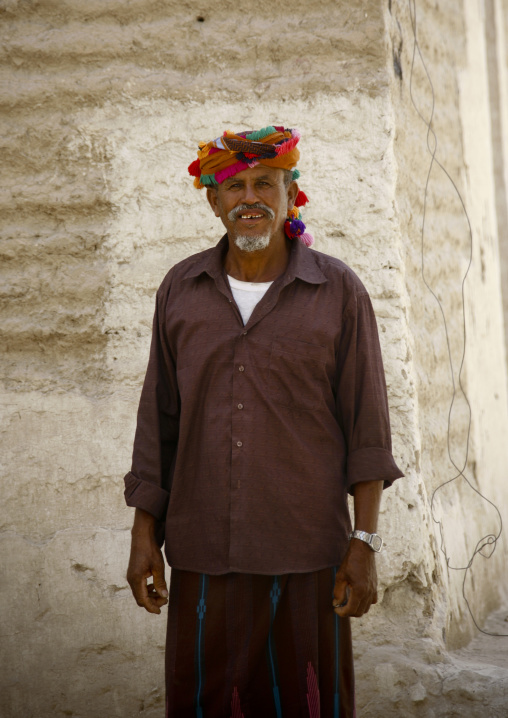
(237, 407)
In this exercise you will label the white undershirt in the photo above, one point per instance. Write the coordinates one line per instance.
(247, 295)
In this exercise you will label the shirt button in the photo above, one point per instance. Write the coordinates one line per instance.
(244, 334)
(239, 444)
(241, 367)
(240, 406)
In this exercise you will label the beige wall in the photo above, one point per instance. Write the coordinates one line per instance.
(103, 105)
(497, 59)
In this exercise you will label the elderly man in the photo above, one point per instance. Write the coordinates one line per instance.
(263, 405)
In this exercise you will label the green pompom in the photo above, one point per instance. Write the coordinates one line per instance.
(259, 134)
(296, 174)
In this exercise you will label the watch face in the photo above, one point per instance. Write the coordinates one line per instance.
(376, 542)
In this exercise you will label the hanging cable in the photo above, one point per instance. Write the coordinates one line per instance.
(487, 544)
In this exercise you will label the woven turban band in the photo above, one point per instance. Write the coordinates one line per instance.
(232, 153)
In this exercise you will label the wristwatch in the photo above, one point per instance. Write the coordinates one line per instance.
(373, 540)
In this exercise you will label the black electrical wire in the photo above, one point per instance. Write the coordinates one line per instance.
(490, 540)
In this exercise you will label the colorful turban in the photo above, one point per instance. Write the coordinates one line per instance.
(232, 153)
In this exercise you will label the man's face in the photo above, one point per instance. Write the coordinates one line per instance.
(253, 206)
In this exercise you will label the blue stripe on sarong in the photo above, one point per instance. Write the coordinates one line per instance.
(272, 656)
(199, 654)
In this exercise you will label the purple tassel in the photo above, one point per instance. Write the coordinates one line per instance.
(296, 228)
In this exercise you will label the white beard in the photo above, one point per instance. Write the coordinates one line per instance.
(252, 244)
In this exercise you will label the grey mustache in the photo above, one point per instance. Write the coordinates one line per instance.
(241, 208)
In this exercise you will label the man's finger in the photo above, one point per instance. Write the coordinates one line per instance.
(140, 591)
(340, 592)
(352, 605)
(344, 601)
(159, 581)
(144, 594)
(364, 602)
(150, 600)
(155, 602)
(154, 595)
(363, 608)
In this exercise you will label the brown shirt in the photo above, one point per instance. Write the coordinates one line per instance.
(249, 437)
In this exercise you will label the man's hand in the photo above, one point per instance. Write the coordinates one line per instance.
(356, 581)
(146, 560)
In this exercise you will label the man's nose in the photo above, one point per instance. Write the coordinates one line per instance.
(250, 194)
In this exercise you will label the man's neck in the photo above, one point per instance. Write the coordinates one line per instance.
(263, 266)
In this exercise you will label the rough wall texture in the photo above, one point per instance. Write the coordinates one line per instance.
(497, 59)
(102, 106)
(439, 682)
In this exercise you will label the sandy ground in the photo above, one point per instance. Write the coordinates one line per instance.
(489, 650)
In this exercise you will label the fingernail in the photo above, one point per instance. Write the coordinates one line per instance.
(164, 593)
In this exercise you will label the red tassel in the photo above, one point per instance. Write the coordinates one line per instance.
(301, 199)
(195, 169)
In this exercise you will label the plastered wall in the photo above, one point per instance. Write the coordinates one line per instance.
(103, 104)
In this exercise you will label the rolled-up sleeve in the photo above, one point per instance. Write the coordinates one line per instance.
(148, 483)
(362, 403)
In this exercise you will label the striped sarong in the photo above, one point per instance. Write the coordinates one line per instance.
(254, 646)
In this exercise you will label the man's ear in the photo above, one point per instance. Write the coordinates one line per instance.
(213, 200)
(293, 190)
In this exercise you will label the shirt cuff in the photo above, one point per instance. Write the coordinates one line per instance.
(372, 464)
(145, 495)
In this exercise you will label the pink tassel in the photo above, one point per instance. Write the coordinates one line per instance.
(286, 146)
(313, 701)
(306, 239)
(236, 708)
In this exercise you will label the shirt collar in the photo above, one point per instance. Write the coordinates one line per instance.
(210, 261)
(302, 263)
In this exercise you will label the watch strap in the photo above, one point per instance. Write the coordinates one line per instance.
(373, 540)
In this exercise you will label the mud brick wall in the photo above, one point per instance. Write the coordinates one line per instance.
(102, 106)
